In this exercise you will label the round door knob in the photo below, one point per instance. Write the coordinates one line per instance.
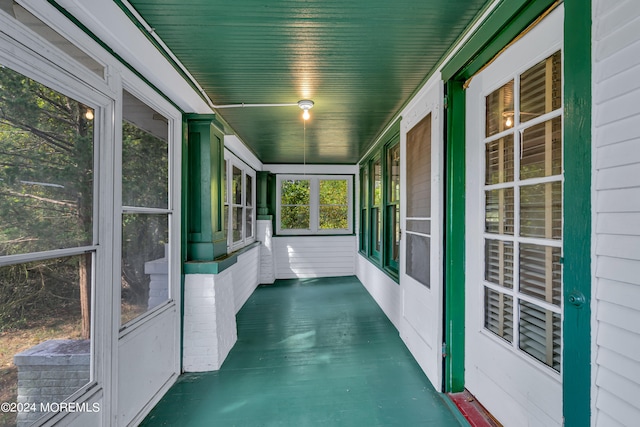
(577, 298)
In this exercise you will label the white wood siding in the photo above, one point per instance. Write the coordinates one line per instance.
(616, 204)
(314, 256)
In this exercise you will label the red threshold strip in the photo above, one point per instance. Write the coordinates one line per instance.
(472, 410)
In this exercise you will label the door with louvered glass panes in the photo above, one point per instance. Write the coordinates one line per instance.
(514, 226)
(421, 198)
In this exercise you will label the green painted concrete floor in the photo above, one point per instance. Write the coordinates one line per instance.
(311, 352)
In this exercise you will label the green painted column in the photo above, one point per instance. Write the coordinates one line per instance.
(205, 236)
(262, 195)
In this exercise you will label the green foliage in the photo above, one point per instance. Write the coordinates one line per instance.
(39, 289)
(334, 204)
(145, 183)
(46, 168)
(295, 197)
(46, 195)
(145, 172)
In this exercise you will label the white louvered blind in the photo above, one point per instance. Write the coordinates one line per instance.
(523, 212)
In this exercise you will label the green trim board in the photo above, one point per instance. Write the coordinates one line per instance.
(454, 238)
(217, 265)
(503, 24)
(184, 201)
(507, 21)
(577, 206)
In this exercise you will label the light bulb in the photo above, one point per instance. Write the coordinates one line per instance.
(306, 115)
(89, 115)
(509, 122)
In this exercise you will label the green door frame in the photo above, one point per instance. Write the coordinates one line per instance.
(508, 19)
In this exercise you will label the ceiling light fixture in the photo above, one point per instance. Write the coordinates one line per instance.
(306, 105)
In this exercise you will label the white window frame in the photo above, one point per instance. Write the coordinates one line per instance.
(245, 238)
(314, 204)
(30, 55)
(517, 183)
(154, 101)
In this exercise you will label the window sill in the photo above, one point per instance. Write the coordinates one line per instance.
(217, 265)
(280, 234)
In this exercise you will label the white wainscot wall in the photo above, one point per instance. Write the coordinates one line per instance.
(264, 232)
(148, 364)
(314, 256)
(383, 289)
(211, 302)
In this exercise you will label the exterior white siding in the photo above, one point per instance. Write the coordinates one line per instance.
(616, 205)
(314, 256)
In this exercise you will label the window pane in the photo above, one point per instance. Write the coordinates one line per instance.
(499, 209)
(542, 150)
(419, 225)
(498, 313)
(419, 170)
(377, 183)
(295, 192)
(294, 217)
(334, 192)
(541, 272)
(541, 210)
(225, 190)
(364, 187)
(333, 217)
(499, 161)
(249, 194)
(249, 223)
(145, 267)
(225, 220)
(540, 334)
(236, 186)
(145, 158)
(46, 173)
(334, 204)
(393, 163)
(499, 110)
(377, 228)
(236, 223)
(295, 196)
(395, 232)
(45, 343)
(363, 230)
(540, 88)
(419, 258)
(498, 259)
